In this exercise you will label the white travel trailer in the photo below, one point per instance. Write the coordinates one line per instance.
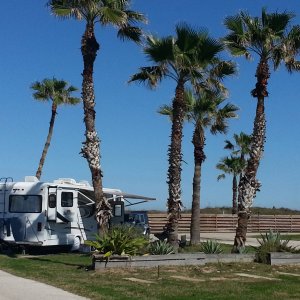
(58, 213)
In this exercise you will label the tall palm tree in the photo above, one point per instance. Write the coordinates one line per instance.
(104, 12)
(234, 166)
(271, 38)
(205, 112)
(58, 92)
(183, 59)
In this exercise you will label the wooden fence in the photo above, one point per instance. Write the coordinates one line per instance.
(227, 223)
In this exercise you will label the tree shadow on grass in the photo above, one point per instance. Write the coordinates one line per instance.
(55, 261)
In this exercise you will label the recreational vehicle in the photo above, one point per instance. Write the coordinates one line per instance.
(58, 213)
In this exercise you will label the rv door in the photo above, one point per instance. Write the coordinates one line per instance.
(65, 205)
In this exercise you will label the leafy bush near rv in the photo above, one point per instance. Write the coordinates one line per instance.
(120, 240)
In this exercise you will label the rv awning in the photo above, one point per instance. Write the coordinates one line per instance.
(127, 196)
(133, 196)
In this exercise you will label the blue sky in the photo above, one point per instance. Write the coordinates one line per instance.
(35, 45)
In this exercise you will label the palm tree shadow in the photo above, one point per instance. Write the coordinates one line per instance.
(79, 266)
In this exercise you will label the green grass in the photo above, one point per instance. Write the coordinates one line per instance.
(68, 271)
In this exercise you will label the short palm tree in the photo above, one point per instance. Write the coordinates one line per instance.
(104, 12)
(234, 166)
(205, 112)
(241, 146)
(273, 40)
(58, 92)
(183, 59)
(240, 150)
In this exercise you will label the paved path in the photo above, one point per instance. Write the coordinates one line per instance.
(16, 288)
(227, 238)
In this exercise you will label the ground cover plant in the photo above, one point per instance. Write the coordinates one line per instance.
(213, 281)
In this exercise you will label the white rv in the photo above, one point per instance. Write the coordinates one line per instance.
(58, 213)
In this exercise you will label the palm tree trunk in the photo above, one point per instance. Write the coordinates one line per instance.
(249, 185)
(91, 146)
(174, 170)
(199, 157)
(47, 144)
(234, 195)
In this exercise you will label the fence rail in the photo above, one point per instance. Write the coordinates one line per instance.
(227, 223)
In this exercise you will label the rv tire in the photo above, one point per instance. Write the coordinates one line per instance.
(76, 244)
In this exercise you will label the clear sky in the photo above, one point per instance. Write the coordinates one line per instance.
(134, 138)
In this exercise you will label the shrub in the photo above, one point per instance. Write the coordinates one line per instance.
(271, 242)
(211, 247)
(120, 240)
(160, 248)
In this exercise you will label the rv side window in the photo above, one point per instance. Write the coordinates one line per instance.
(52, 201)
(66, 199)
(25, 203)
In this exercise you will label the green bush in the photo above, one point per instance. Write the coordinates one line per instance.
(120, 240)
(211, 247)
(160, 248)
(271, 242)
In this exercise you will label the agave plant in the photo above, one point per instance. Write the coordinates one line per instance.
(211, 247)
(119, 240)
(160, 248)
(271, 242)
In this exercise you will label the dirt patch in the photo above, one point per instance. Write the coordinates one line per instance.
(256, 276)
(188, 278)
(289, 274)
(139, 280)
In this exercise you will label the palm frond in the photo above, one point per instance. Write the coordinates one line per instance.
(160, 50)
(131, 33)
(166, 110)
(208, 49)
(222, 176)
(65, 9)
(188, 38)
(109, 15)
(150, 76)
(134, 17)
(278, 22)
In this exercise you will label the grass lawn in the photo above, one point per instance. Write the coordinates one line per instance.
(214, 281)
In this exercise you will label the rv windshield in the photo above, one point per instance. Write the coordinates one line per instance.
(25, 203)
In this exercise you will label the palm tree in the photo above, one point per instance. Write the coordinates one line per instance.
(204, 111)
(240, 150)
(234, 166)
(241, 146)
(182, 58)
(104, 12)
(273, 41)
(58, 92)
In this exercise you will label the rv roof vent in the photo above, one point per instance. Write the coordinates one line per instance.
(65, 180)
(84, 183)
(31, 179)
